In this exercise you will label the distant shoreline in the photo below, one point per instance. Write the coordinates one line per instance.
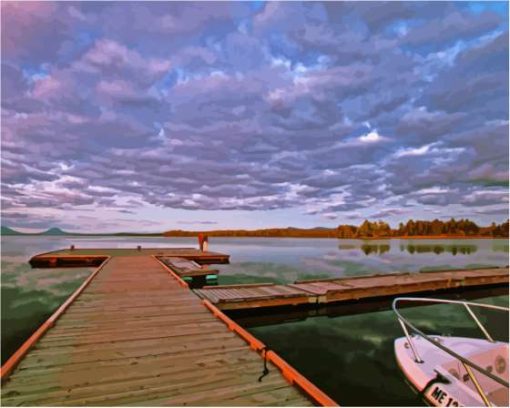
(380, 230)
(415, 237)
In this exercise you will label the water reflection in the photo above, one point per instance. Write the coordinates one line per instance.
(375, 248)
(347, 246)
(351, 357)
(416, 248)
(273, 316)
(439, 249)
(497, 246)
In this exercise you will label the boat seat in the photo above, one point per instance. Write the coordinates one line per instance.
(495, 360)
(499, 397)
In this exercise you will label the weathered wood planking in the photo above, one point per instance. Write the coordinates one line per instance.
(186, 268)
(269, 316)
(85, 257)
(135, 337)
(329, 291)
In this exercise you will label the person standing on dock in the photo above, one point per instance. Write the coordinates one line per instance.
(203, 242)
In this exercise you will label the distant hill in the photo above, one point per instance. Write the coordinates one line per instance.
(10, 231)
(53, 231)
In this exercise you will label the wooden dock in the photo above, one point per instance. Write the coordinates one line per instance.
(248, 318)
(135, 334)
(95, 256)
(338, 290)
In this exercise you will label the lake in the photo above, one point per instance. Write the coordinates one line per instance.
(349, 357)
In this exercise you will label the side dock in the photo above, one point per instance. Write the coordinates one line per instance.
(343, 290)
(135, 334)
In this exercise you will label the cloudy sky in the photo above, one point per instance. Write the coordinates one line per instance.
(150, 116)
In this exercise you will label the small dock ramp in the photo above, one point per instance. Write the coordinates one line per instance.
(186, 268)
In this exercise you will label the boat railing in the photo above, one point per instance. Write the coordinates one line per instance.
(407, 326)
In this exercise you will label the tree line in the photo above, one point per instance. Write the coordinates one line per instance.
(420, 228)
(268, 232)
(368, 229)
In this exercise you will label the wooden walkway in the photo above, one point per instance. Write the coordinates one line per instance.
(333, 291)
(135, 336)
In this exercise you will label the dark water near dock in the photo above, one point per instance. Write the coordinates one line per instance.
(349, 357)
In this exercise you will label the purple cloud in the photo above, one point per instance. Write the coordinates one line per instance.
(138, 110)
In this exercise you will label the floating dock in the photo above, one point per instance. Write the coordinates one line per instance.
(135, 334)
(338, 290)
(84, 257)
(270, 316)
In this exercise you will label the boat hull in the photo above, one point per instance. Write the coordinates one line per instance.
(442, 380)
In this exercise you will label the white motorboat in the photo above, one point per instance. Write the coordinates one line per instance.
(454, 371)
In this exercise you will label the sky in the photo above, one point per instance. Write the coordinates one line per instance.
(149, 116)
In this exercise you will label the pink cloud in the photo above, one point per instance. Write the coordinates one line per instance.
(47, 88)
(32, 30)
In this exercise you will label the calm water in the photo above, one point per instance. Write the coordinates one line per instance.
(350, 357)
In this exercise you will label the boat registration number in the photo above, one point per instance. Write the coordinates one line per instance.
(440, 398)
